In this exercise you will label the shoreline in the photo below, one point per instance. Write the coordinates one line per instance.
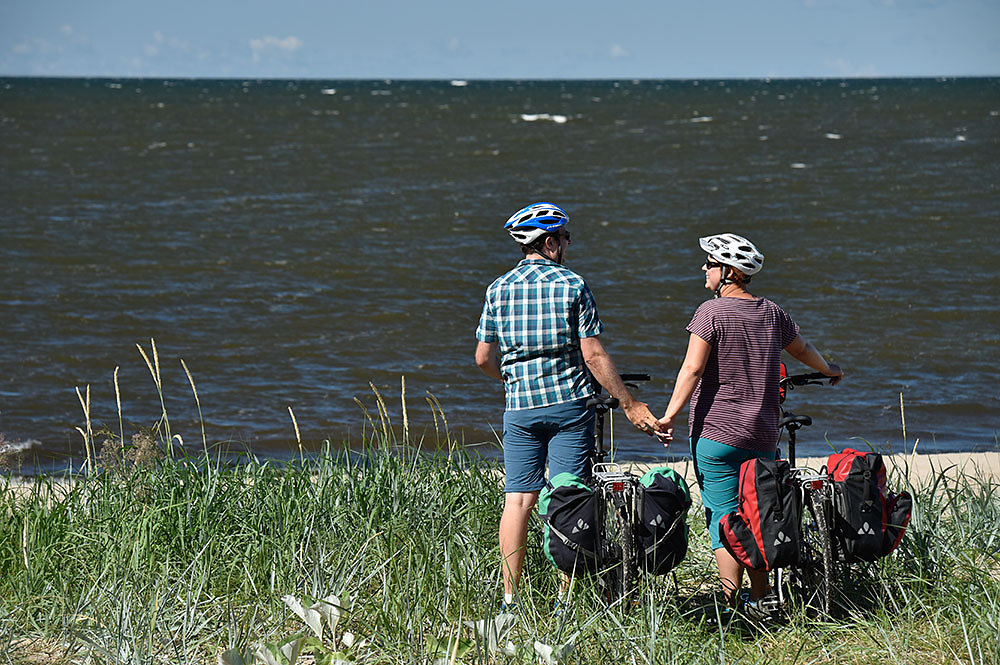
(916, 467)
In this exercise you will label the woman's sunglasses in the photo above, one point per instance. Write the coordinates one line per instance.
(709, 263)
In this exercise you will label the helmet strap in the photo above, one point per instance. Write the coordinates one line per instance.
(723, 280)
(559, 254)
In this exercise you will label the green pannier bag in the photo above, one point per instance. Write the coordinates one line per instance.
(568, 508)
(664, 529)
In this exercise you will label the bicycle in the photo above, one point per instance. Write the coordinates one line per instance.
(812, 579)
(619, 508)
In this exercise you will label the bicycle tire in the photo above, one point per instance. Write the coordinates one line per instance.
(820, 543)
(619, 553)
(630, 567)
(609, 549)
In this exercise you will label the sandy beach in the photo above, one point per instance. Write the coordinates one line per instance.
(920, 469)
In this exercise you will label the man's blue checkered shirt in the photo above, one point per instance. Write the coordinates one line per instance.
(538, 312)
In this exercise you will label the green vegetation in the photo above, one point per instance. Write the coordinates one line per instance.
(179, 560)
(388, 555)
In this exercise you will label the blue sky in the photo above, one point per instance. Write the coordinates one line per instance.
(450, 39)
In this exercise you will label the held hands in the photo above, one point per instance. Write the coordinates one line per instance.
(639, 415)
(665, 431)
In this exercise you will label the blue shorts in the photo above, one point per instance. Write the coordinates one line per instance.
(562, 432)
(717, 467)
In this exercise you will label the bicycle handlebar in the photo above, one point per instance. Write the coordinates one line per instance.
(605, 402)
(634, 377)
(815, 379)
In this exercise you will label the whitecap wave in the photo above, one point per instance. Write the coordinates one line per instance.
(833, 137)
(459, 83)
(552, 117)
(18, 446)
(328, 91)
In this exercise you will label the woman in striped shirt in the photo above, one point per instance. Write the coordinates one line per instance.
(730, 375)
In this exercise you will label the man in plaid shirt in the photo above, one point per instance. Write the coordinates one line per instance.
(539, 334)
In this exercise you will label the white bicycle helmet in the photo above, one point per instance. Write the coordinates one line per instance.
(532, 222)
(735, 251)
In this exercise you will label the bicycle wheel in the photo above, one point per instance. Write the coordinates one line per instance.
(619, 570)
(820, 546)
(609, 550)
(630, 568)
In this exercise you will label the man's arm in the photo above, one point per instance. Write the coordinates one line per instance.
(603, 368)
(488, 359)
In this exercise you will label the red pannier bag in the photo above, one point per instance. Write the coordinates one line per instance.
(782, 374)
(868, 523)
(765, 532)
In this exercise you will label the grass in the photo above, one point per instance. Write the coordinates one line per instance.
(387, 555)
(177, 560)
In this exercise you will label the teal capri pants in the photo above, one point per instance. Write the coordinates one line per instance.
(717, 468)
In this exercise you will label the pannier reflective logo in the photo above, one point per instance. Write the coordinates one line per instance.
(580, 526)
(781, 538)
(866, 530)
(656, 521)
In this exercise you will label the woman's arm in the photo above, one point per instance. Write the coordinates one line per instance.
(687, 380)
(803, 351)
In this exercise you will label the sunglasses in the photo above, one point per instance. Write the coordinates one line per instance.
(709, 263)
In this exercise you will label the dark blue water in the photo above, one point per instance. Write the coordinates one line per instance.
(293, 241)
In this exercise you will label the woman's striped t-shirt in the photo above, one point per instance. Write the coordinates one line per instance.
(736, 401)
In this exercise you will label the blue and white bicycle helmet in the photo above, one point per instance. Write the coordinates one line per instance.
(531, 222)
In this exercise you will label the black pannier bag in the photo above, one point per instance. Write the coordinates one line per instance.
(765, 532)
(898, 509)
(664, 530)
(868, 523)
(568, 508)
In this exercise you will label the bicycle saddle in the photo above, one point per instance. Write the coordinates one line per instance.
(602, 403)
(797, 421)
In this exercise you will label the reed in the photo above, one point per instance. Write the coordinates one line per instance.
(298, 437)
(163, 426)
(121, 422)
(201, 418)
(88, 435)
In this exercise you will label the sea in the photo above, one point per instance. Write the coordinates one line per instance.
(302, 262)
